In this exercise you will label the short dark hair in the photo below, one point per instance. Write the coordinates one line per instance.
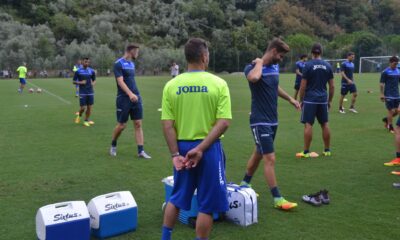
(393, 59)
(303, 56)
(131, 46)
(279, 45)
(316, 48)
(194, 48)
(85, 58)
(350, 54)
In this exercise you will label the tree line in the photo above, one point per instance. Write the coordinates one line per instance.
(53, 34)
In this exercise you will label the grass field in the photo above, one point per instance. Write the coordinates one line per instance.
(46, 158)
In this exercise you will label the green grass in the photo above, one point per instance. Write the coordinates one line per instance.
(46, 158)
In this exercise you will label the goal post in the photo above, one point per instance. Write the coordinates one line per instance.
(373, 63)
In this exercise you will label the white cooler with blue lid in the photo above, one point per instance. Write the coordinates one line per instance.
(113, 214)
(63, 221)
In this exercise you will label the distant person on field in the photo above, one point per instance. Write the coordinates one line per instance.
(299, 70)
(74, 69)
(389, 88)
(348, 85)
(316, 100)
(193, 138)
(85, 78)
(129, 101)
(22, 70)
(262, 76)
(337, 67)
(174, 70)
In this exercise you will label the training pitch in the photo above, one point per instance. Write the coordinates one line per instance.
(46, 158)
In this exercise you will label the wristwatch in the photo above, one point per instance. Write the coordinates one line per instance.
(175, 154)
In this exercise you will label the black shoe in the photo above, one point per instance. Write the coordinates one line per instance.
(385, 121)
(313, 199)
(324, 196)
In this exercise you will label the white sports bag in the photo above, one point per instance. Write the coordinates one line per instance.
(242, 205)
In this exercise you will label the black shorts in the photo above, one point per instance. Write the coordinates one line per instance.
(346, 88)
(126, 108)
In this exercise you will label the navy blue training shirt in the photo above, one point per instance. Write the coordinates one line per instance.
(300, 66)
(87, 74)
(264, 96)
(348, 68)
(317, 73)
(126, 69)
(391, 77)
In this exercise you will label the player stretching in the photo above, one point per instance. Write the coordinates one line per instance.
(299, 70)
(390, 91)
(76, 67)
(348, 85)
(85, 78)
(22, 70)
(263, 78)
(129, 101)
(315, 99)
(389, 86)
(193, 139)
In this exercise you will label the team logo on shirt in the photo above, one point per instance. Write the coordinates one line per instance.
(191, 89)
(319, 67)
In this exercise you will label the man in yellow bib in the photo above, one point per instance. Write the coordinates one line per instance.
(196, 111)
(22, 70)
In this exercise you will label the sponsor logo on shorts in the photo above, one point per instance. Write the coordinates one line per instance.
(119, 110)
(221, 178)
(265, 135)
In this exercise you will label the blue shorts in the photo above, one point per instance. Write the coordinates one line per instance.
(346, 88)
(22, 81)
(126, 108)
(264, 136)
(312, 110)
(392, 103)
(208, 177)
(86, 100)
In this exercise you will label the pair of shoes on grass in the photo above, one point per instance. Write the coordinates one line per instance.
(317, 199)
(313, 154)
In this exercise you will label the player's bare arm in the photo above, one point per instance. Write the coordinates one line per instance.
(255, 74)
(170, 137)
(302, 89)
(331, 85)
(288, 98)
(349, 81)
(382, 86)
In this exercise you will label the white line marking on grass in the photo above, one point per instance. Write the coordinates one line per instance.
(51, 94)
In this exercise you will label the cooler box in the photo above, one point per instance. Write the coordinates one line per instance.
(185, 217)
(113, 214)
(63, 221)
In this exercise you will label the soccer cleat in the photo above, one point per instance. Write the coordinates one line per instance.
(385, 122)
(396, 185)
(245, 184)
(76, 113)
(77, 119)
(327, 153)
(283, 204)
(353, 110)
(396, 173)
(394, 162)
(391, 129)
(91, 122)
(113, 151)
(341, 110)
(86, 124)
(144, 155)
(302, 155)
(324, 196)
(313, 199)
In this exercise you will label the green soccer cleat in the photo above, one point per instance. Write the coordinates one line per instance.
(245, 184)
(302, 155)
(326, 154)
(283, 204)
